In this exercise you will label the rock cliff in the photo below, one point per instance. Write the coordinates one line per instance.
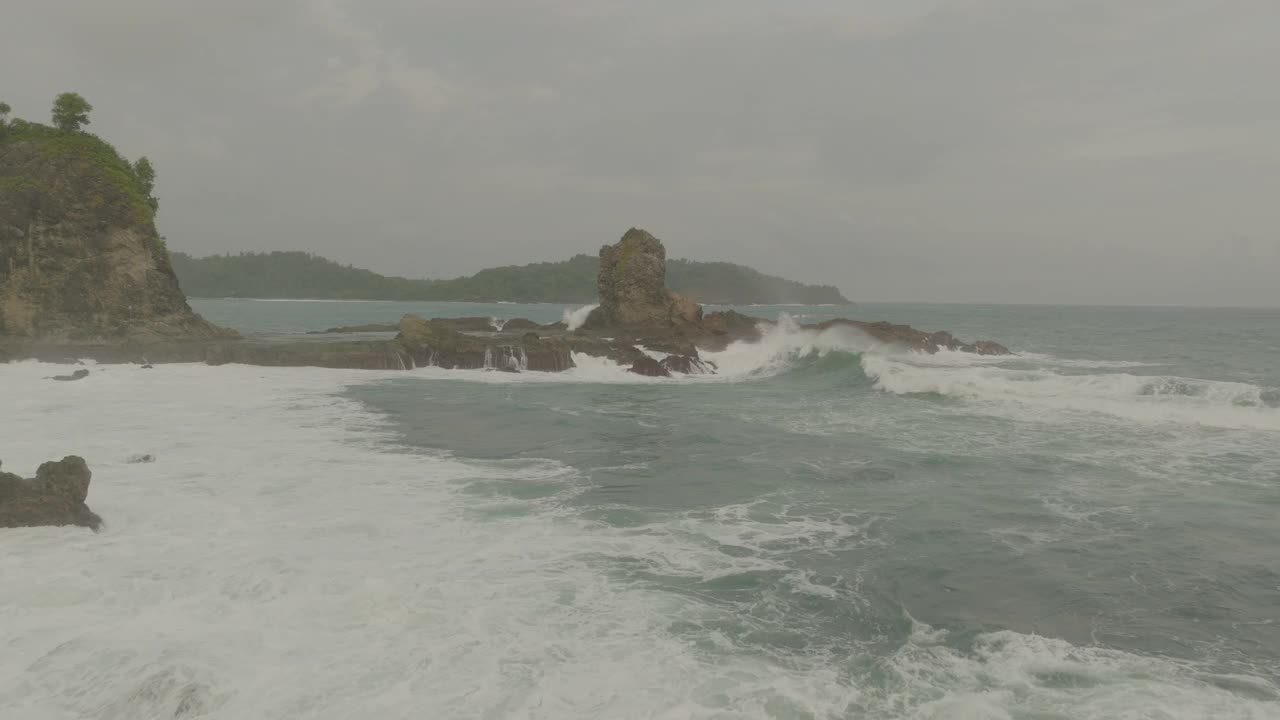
(80, 259)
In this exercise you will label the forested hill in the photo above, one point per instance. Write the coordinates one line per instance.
(303, 275)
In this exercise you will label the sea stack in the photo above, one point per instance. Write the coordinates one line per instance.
(632, 286)
(80, 259)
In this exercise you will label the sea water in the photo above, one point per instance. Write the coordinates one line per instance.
(829, 528)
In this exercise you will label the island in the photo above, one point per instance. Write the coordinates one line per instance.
(301, 275)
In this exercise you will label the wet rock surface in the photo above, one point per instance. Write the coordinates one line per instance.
(55, 496)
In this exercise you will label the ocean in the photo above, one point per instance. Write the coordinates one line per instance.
(830, 528)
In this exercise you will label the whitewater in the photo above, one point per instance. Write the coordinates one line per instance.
(827, 528)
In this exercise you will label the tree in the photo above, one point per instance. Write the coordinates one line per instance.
(4, 116)
(147, 178)
(71, 111)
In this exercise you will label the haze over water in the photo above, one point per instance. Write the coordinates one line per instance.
(829, 529)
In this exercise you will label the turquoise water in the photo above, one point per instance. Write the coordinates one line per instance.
(828, 529)
(1115, 486)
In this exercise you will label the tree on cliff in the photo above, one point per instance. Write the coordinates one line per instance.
(71, 111)
(147, 177)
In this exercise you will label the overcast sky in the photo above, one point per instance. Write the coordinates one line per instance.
(1076, 151)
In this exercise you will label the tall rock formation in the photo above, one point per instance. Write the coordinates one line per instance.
(80, 259)
(632, 286)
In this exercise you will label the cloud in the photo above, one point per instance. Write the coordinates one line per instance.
(374, 67)
(993, 150)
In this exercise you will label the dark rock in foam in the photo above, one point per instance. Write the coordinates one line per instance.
(56, 496)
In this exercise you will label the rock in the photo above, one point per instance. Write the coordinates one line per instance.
(414, 329)
(530, 336)
(520, 324)
(987, 347)
(138, 459)
(649, 367)
(77, 375)
(56, 496)
(436, 343)
(633, 289)
(366, 355)
(687, 365)
(731, 322)
(372, 327)
(468, 324)
(86, 265)
(684, 312)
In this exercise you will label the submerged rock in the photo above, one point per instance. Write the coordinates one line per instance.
(77, 375)
(56, 496)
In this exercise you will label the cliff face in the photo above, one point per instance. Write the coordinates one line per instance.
(80, 259)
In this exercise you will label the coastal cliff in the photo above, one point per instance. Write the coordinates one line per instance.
(80, 259)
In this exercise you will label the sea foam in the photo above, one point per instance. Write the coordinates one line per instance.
(284, 557)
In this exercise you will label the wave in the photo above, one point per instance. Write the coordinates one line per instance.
(1147, 398)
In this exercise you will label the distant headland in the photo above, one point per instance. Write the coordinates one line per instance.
(300, 275)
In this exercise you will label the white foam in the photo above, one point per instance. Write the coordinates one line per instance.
(1014, 675)
(781, 344)
(574, 317)
(281, 560)
(1030, 393)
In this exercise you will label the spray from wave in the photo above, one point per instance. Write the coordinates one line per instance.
(574, 317)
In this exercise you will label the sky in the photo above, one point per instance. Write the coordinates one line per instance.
(1016, 151)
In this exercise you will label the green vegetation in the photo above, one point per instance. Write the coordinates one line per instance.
(147, 181)
(117, 186)
(303, 275)
(71, 112)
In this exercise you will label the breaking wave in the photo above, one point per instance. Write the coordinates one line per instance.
(1146, 398)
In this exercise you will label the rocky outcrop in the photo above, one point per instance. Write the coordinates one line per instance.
(56, 496)
(632, 286)
(648, 367)
(80, 259)
(436, 343)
